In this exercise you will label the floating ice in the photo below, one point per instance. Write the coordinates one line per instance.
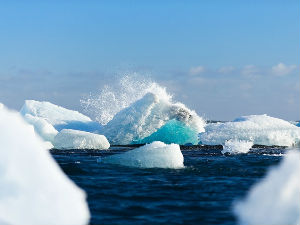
(34, 190)
(41, 127)
(236, 146)
(75, 139)
(172, 122)
(260, 129)
(276, 198)
(59, 117)
(156, 154)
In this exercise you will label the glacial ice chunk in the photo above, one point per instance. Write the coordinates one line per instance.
(147, 115)
(154, 155)
(75, 139)
(260, 129)
(276, 198)
(236, 146)
(46, 131)
(59, 117)
(34, 190)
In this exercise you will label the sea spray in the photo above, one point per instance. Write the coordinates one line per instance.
(141, 111)
(236, 146)
(113, 98)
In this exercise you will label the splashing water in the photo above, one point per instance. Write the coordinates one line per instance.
(113, 98)
(138, 110)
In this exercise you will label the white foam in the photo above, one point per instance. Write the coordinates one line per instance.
(146, 116)
(260, 129)
(154, 155)
(112, 99)
(75, 139)
(236, 146)
(276, 198)
(34, 190)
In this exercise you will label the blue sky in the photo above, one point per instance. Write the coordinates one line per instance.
(222, 58)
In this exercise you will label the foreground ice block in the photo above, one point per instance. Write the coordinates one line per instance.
(236, 146)
(276, 198)
(260, 129)
(154, 155)
(75, 139)
(59, 117)
(154, 118)
(34, 190)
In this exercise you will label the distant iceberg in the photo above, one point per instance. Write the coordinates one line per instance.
(59, 117)
(154, 155)
(34, 190)
(153, 118)
(276, 198)
(63, 128)
(259, 129)
(75, 139)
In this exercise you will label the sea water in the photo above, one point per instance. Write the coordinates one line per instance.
(203, 192)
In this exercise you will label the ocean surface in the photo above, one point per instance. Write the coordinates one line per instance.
(201, 193)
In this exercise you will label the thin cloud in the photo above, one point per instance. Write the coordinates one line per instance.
(226, 69)
(196, 70)
(250, 71)
(281, 69)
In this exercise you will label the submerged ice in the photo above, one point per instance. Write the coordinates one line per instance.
(154, 155)
(276, 198)
(259, 129)
(34, 190)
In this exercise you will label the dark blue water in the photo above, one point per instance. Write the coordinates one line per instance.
(202, 193)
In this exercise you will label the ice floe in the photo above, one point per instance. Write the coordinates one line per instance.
(260, 129)
(154, 155)
(276, 198)
(75, 139)
(34, 190)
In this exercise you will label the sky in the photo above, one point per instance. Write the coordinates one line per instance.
(223, 59)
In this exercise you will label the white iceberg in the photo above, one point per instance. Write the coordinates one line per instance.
(75, 139)
(276, 198)
(154, 118)
(260, 129)
(236, 146)
(59, 117)
(34, 190)
(154, 155)
(44, 129)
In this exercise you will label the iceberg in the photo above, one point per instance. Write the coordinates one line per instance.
(44, 129)
(275, 199)
(236, 146)
(154, 118)
(75, 139)
(34, 190)
(154, 155)
(59, 117)
(259, 129)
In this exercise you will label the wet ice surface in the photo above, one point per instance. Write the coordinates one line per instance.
(201, 193)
